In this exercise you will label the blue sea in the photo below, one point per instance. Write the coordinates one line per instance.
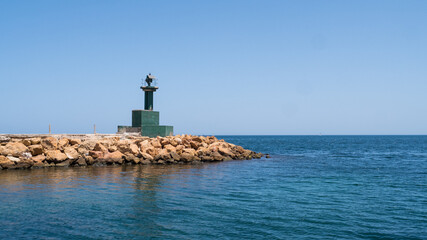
(312, 187)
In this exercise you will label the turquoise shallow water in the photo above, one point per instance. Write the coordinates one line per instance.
(324, 187)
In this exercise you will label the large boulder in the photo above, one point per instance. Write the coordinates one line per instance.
(36, 149)
(156, 143)
(26, 142)
(186, 157)
(63, 142)
(217, 156)
(226, 152)
(133, 148)
(163, 154)
(49, 143)
(75, 142)
(114, 157)
(100, 147)
(169, 148)
(35, 140)
(71, 153)
(147, 156)
(14, 148)
(38, 158)
(190, 151)
(152, 151)
(55, 156)
(96, 154)
(6, 162)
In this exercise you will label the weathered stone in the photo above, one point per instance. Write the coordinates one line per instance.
(190, 151)
(6, 162)
(100, 147)
(145, 162)
(55, 156)
(81, 161)
(13, 159)
(26, 142)
(112, 148)
(35, 141)
(217, 156)
(152, 151)
(144, 144)
(147, 156)
(225, 151)
(63, 142)
(14, 148)
(134, 149)
(75, 142)
(195, 145)
(169, 148)
(164, 141)
(187, 157)
(24, 163)
(114, 157)
(25, 155)
(207, 158)
(89, 160)
(89, 144)
(163, 154)
(40, 164)
(156, 143)
(175, 156)
(38, 158)
(65, 163)
(36, 149)
(49, 143)
(129, 157)
(197, 139)
(71, 153)
(83, 151)
(96, 154)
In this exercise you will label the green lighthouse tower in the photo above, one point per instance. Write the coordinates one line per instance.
(147, 121)
(149, 90)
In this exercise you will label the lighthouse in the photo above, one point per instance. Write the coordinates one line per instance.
(146, 121)
(148, 92)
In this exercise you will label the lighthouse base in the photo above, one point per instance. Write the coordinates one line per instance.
(147, 123)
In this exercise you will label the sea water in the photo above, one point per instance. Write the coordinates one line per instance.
(312, 187)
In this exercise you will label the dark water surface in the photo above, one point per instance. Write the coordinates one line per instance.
(325, 187)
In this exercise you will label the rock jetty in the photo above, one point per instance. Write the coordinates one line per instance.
(20, 152)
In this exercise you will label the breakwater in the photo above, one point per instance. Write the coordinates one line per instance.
(37, 151)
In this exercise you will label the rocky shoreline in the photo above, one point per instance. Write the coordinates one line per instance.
(38, 151)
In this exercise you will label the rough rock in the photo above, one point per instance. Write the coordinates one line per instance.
(65, 163)
(163, 154)
(49, 143)
(6, 162)
(134, 149)
(55, 156)
(14, 148)
(96, 154)
(100, 147)
(63, 142)
(114, 157)
(38, 158)
(26, 142)
(75, 142)
(81, 161)
(71, 153)
(147, 156)
(36, 149)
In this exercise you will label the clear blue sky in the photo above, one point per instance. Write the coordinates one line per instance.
(224, 67)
